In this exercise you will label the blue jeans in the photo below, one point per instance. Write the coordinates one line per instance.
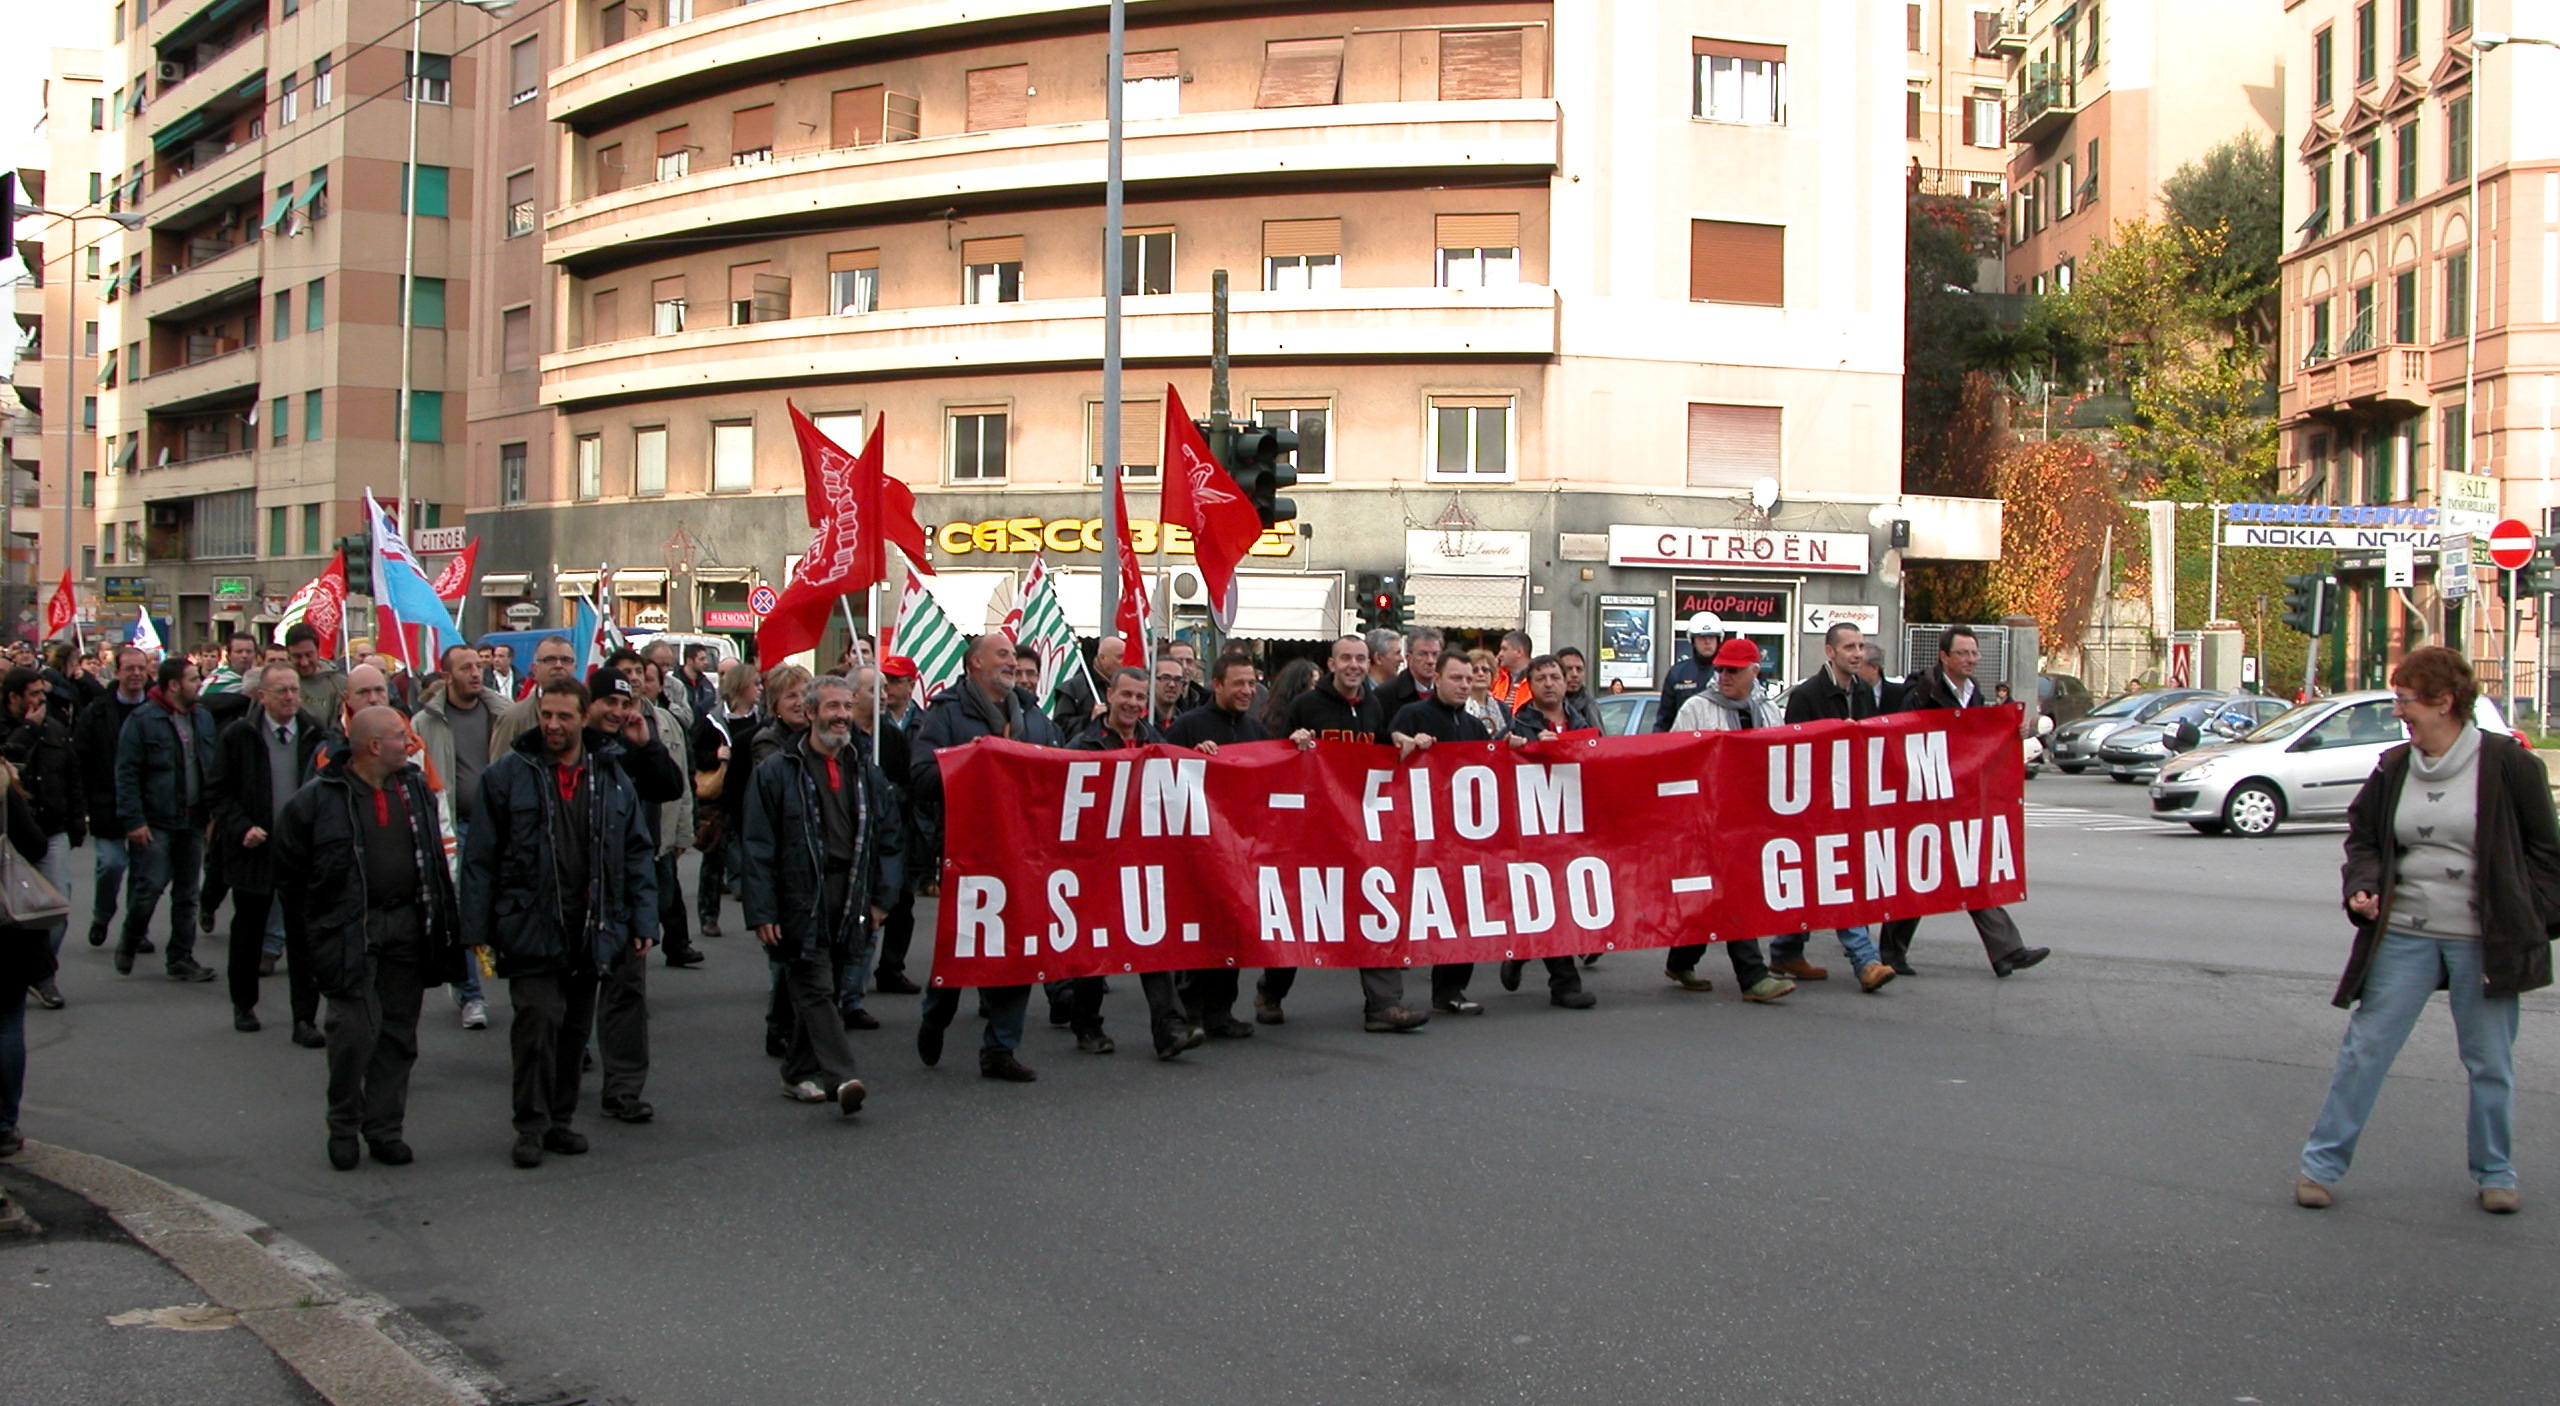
(1007, 1008)
(2404, 973)
(172, 862)
(466, 990)
(854, 972)
(109, 875)
(56, 868)
(1858, 942)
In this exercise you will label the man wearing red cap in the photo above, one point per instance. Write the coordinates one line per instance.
(1734, 704)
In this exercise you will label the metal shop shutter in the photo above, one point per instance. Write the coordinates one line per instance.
(1467, 602)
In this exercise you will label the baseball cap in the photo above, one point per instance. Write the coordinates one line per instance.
(898, 666)
(1705, 622)
(1738, 653)
(601, 681)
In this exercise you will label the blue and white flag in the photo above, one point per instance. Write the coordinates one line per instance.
(403, 587)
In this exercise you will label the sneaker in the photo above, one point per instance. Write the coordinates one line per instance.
(894, 984)
(1573, 1000)
(1003, 1065)
(564, 1142)
(2310, 1195)
(1226, 1027)
(307, 1035)
(2020, 960)
(245, 1021)
(806, 1091)
(1267, 1011)
(849, 1097)
(710, 927)
(1801, 970)
(1687, 979)
(1873, 976)
(47, 994)
(189, 971)
(475, 1015)
(206, 919)
(12, 1142)
(2499, 1200)
(1394, 1020)
(687, 957)
(1769, 988)
(528, 1153)
(634, 1110)
(1456, 1005)
(1173, 1037)
(1095, 1043)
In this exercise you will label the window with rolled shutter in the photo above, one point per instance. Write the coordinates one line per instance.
(604, 316)
(515, 339)
(1003, 249)
(751, 135)
(1141, 436)
(1732, 446)
(1478, 231)
(1154, 63)
(1734, 262)
(999, 97)
(1300, 73)
(1286, 238)
(609, 169)
(1479, 63)
(857, 116)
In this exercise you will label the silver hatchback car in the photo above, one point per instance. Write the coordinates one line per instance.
(2305, 764)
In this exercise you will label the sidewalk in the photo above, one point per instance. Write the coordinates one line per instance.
(130, 1290)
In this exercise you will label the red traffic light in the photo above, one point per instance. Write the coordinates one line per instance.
(1382, 600)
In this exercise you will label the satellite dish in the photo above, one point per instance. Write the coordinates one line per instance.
(1764, 494)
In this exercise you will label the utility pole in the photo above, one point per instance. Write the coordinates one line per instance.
(1113, 262)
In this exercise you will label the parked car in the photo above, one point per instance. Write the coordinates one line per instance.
(2075, 743)
(2134, 754)
(2306, 764)
(2062, 698)
(1622, 714)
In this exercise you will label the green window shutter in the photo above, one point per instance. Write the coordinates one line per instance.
(426, 417)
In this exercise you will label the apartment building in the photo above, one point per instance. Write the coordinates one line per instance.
(50, 434)
(2108, 98)
(1574, 308)
(1955, 98)
(2421, 294)
(252, 360)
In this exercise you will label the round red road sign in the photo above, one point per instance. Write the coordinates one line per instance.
(2511, 545)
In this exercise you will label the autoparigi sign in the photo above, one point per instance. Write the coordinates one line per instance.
(1064, 864)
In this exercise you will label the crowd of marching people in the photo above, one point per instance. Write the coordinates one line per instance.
(383, 835)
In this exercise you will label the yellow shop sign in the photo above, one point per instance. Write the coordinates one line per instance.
(1067, 535)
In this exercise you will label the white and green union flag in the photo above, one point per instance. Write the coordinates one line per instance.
(1040, 622)
(926, 635)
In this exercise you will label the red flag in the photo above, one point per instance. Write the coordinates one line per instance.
(1136, 616)
(857, 509)
(454, 582)
(320, 604)
(1201, 495)
(63, 610)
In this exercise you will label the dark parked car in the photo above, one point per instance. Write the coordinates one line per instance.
(2135, 754)
(2075, 744)
(2063, 698)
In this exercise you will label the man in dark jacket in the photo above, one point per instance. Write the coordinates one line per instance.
(622, 998)
(370, 904)
(1949, 684)
(897, 764)
(821, 849)
(1209, 993)
(1123, 726)
(93, 739)
(1546, 715)
(1694, 674)
(164, 759)
(259, 762)
(895, 756)
(723, 742)
(35, 741)
(1422, 647)
(981, 705)
(1843, 688)
(1443, 717)
(1077, 702)
(560, 880)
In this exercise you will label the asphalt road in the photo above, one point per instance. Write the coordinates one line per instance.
(2069, 1186)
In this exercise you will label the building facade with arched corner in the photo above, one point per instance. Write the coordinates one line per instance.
(1545, 291)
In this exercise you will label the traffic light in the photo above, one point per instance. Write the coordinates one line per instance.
(359, 549)
(2540, 577)
(2308, 598)
(1382, 603)
(1254, 453)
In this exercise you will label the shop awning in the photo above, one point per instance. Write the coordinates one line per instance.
(178, 132)
(1287, 607)
(1467, 602)
(507, 583)
(639, 583)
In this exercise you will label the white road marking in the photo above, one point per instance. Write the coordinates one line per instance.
(2051, 817)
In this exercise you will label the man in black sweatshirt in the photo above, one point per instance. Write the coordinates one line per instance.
(1209, 993)
(1443, 717)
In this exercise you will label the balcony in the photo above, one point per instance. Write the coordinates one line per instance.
(213, 71)
(1423, 324)
(2007, 33)
(226, 375)
(2387, 382)
(2045, 105)
(220, 278)
(1490, 139)
(213, 169)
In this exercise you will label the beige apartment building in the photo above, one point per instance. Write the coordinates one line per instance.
(251, 365)
(51, 431)
(2422, 296)
(2108, 98)
(1549, 293)
(1955, 99)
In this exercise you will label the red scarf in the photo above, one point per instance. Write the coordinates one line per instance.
(566, 778)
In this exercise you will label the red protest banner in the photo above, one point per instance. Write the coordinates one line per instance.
(1062, 864)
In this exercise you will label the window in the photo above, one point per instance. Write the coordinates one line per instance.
(2457, 294)
(733, 456)
(1301, 255)
(590, 452)
(288, 100)
(1736, 82)
(432, 80)
(91, 270)
(2366, 39)
(751, 136)
(89, 485)
(515, 339)
(2317, 223)
(991, 270)
(608, 169)
(426, 303)
(1477, 65)
(1911, 27)
(510, 474)
(324, 82)
(1141, 439)
(2404, 176)
(2457, 138)
(870, 115)
(115, 111)
(604, 316)
(1300, 73)
(315, 304)
(666, 306)
(1733, 446)
(278, 520)
(434, 185)
(2318, 348)
(1310, 419)
(757, 294)
(1478, 251)
(88, 339)
(2457, 16)
(2407, 48)
(679, 11)
(1151, 84)
(519, 204)
(310, 417)
(1146, 262)
(524, 70)
(97, 187)
(999, 97)
(2369, 166)
(312, 518)
(2360, 324)
(2089, 50)
(1470, 437)
(649, 461)
(1985, 124)
(844, 427)
(612, 24)
(675, 153)
(1911, 114)
(279, 419)
(853, 282)
(88, 412)
(426, 417)
(2066, 189)
(2089, 174)
(2404, 307)
(291, 8)
(977, 446)
(282, 318)
(2454, 421)
(1734, 262)
(116, 31)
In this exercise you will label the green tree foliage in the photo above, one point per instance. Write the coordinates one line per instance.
(2234, 195)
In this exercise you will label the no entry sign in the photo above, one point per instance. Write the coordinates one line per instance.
(2511, 545)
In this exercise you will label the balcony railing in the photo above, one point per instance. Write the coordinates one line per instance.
(2044, 104)
(2385, 378)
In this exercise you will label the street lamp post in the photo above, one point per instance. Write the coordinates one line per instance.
(70, 377)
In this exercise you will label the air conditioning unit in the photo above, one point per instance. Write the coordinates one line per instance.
(1188, 588)
(172, 71)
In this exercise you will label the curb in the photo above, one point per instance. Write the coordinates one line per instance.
(353, 1346)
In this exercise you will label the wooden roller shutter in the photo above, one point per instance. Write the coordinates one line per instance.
(1732, 262)
(1479, 63)
(1154, 63)
(1300, 73)
(852, 259)
(1002, 249)
(1283, 239)
(604, 316)
(1479, 232)
(673, 140)
(609, 169)
(667, 290)
(742, 280)
(1737, 49)
(751, 129)
(999, 97)
(858, 116)
(1141, 434)
(1732, 446)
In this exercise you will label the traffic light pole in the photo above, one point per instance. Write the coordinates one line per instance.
(1113, 217)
